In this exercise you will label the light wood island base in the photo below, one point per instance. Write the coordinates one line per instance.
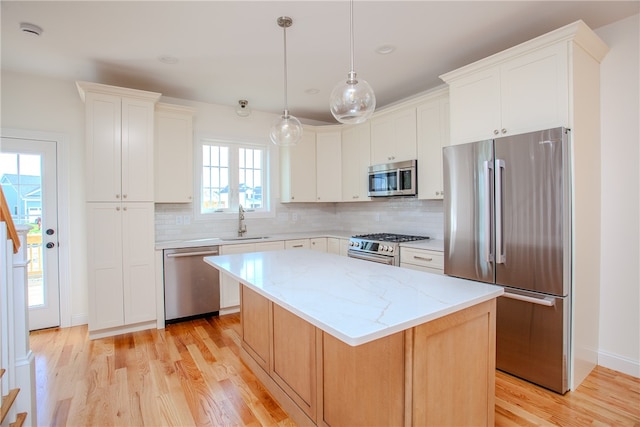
(435, 374)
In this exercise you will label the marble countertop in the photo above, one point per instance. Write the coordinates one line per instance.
(432, 244)
(217, 241)
(355, 301)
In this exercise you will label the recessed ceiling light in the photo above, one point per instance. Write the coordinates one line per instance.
(30, 28)
(385, 49)
(312, 91)
(168, 59)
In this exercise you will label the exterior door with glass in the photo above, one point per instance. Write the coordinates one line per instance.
(28, 176)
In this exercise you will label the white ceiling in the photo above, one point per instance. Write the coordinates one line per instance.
(231, 50)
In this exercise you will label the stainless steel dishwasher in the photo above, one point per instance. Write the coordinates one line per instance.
(191, 287)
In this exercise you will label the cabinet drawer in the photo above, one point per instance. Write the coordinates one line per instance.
(297, 244)
(422, 258)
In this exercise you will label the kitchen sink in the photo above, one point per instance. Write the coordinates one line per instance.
(231, 239)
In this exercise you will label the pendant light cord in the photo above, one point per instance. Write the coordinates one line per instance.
(351, 31)
(286, 104)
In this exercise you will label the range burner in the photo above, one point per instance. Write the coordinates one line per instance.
(390, 237)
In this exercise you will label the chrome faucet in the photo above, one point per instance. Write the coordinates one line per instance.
(242, 227)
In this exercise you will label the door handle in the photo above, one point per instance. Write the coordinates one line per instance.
(50, 232)
(546, 301)
(184, 254)
(488, 169)
(500, 253)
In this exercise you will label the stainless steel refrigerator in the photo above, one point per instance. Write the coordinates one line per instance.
(507, 221)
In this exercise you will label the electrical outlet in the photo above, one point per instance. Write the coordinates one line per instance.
(294, 216)
(178, 220)
(186, 219)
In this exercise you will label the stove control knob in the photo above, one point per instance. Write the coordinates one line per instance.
(390, 248)
(384, 248)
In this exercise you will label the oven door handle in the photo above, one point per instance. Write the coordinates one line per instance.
(370, 257)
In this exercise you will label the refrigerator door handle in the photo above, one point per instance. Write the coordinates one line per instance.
(488, 168)
(500, 253)
(546, 301)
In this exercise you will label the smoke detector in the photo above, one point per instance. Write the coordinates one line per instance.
(30, 28)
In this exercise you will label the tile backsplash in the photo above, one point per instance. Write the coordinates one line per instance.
(393, 215)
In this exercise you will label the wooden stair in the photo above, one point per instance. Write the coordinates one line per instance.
(7, 402)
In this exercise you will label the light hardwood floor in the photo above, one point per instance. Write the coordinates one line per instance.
(189, 374)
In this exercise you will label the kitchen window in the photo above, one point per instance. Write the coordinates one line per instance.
(232, 174)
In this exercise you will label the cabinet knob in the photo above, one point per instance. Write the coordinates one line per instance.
(504, 131)
(495, 131)
(118, 208)
(117, 196)
(124, 196)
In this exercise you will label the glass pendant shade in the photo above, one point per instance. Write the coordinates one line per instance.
(352, 101)
(286, 130)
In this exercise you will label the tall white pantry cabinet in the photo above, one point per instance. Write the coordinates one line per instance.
(120, 211)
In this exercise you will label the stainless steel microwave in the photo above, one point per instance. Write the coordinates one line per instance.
(393, 179)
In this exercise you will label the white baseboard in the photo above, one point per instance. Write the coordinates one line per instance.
(79, 319)
(229, 310)
(619, 363)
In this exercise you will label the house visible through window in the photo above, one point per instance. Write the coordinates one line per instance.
(232, 174)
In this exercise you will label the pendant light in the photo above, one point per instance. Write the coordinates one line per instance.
(286, 130)
(353, 101)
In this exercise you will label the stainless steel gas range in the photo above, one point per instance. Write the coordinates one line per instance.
(383, 248)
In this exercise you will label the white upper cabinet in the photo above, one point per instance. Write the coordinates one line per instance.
(298, 169)
(433, 135)
(119, 143)
(173, 154)
(527, 93)
(329, 164)
(522, 89)
(393, 136)
(356, 148)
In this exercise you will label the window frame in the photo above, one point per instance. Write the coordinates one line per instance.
(234, 174)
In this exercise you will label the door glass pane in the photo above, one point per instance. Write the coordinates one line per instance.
(21, 178)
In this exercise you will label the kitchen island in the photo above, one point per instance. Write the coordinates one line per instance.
(341, 341)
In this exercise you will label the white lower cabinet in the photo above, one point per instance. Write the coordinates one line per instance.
(422, 260)
(318, 244)
(337, 246)
(121, 273)
(229, 287)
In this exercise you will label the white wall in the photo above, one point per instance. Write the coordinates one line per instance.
(619, 346)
